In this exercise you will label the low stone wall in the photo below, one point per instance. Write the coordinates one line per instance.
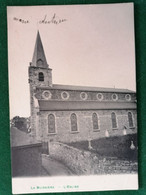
(87, 163)
(115, 166)
(80, 162)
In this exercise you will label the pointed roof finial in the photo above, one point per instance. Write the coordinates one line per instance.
(39, 58)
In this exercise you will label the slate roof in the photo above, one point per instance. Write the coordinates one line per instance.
(87, 88)
(45, 105)
(39, 53)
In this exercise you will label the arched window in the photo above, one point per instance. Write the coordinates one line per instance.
(130, 119)
(95, 121)
(74, 122)
(114, 120)
(41, 76)
(51, 123)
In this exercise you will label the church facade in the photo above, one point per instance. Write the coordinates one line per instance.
(73, 113)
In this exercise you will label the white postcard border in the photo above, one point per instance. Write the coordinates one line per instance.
(75, 183)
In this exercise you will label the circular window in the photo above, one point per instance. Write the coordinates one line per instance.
(83, 96)
(115, 97)
(99, 96)
(46, 95)
(128, 97)
(65, 95)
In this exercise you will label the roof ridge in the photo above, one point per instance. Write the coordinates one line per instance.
(92, 87)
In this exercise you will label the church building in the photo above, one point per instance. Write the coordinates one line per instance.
(69, 113)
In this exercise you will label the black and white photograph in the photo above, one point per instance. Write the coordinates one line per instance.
(72, 94)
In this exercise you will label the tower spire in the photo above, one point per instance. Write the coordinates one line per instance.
(39, 58)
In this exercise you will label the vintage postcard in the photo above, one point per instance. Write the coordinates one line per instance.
(72, 89)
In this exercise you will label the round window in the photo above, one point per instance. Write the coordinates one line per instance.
(128, 97)
(99, 96)
(65, 95)
(46, 95)
(115, 97)
(83, 95)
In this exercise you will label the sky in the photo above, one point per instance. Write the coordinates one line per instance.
(92, 46)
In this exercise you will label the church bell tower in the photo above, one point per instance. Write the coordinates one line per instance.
(39, 72)
(40, 75)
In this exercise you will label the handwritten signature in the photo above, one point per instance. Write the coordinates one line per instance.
(53, 20)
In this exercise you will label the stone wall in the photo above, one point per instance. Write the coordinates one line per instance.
(75, 95)
(85, 125)
(80, 162)
(33, 76)
(33, 83)
(88, 163)
(115, 166)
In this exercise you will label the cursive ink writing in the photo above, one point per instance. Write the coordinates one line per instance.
(54, 20)
(21, 20)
